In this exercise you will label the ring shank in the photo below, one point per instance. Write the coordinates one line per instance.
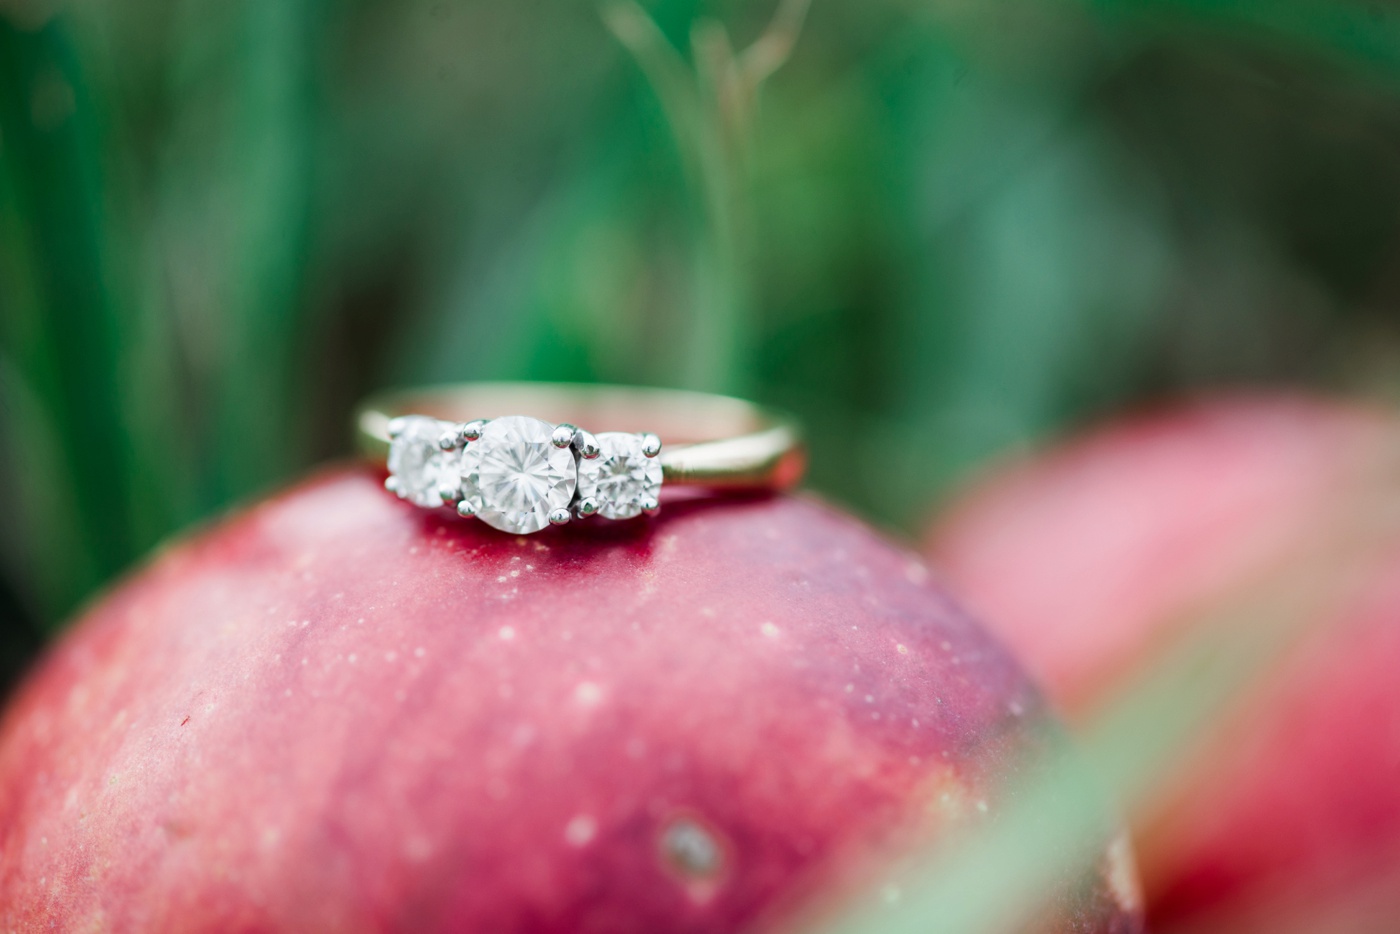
(707, 440)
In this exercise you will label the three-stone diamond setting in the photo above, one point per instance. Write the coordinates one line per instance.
(520, 474)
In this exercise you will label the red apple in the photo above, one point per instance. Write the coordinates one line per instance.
(339, 712)
(1088, 559)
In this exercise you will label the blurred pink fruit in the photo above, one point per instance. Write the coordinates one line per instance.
(339, 712)
(1087, 560)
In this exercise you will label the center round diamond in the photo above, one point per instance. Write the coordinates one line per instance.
(515, 476)
(621, 479)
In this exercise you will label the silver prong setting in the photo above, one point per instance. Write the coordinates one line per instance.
(436, 463)
(471, 431)
(396, 427)
(563, 435)
(586, 444)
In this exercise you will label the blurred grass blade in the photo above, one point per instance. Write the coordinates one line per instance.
(262, 274)
(711, 336)
(42, 536)
(710, 111)
(774, 47)
(64, 342)
(994, 880)
(666, 71)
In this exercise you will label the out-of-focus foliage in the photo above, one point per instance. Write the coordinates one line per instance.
(944, 228)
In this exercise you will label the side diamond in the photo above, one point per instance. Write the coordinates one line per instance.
(418, 466)
(622, 480)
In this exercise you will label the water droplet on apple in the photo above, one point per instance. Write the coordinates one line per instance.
(692, 849)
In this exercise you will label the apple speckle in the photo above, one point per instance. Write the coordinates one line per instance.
(581, 830)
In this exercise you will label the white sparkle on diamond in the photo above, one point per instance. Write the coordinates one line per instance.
(515, 476)
(621, 479)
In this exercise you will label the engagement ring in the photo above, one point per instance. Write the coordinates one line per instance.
(521, 473)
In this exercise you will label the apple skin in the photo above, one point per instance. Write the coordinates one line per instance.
(1086, 560)
(335, 711)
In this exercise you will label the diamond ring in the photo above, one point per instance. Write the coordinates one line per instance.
(522, 473)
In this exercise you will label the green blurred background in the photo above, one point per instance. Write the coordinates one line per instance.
(937, 229)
